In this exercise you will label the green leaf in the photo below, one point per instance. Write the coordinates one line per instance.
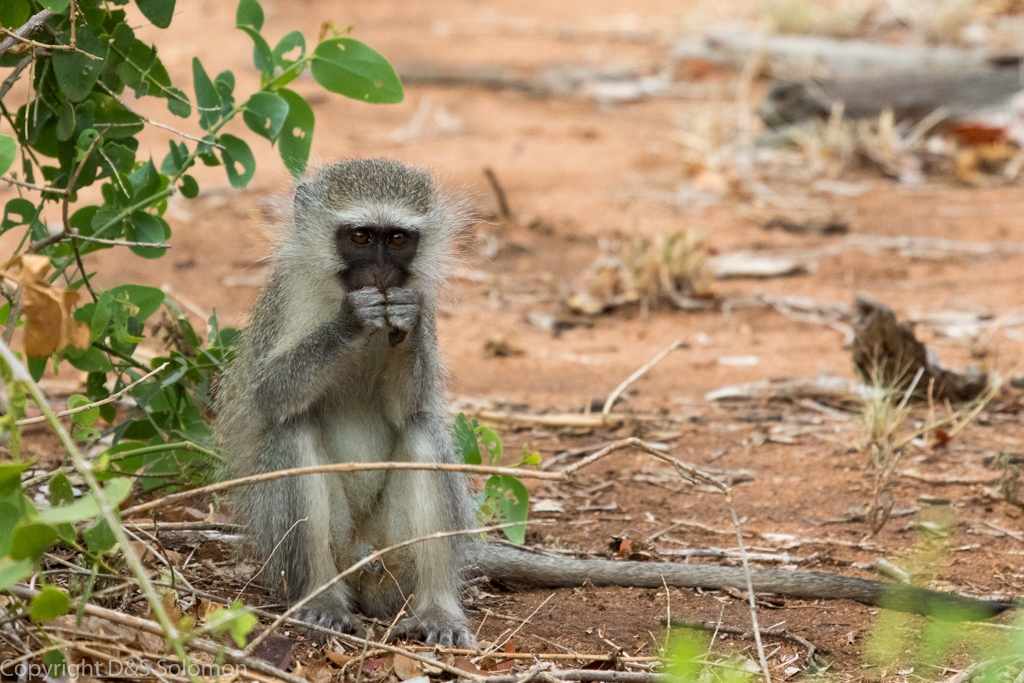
(88, 360)
(189, 187)
(207, 98)
(513, 503)
(22, 208)
(160, 12)
(529, 459)
(10, 476)
(49, 604)
(86, 138)
(296, 139)
(99, 537)
(238, 625)
(8, 151)
(177, 102)
(10, 515)
(237, 153)
(464, 436)
(31, 540)
(86, 418)
(55, 6)
(350, 68)
(76, 73)
(145, 182)
(11, 572)
(249, 13)
(87, 507)
(61, 491)
(151, 229)
(146, 299)
(491, 443)
(100, 316)
(14, 13)
(225, 85)
(36, 367)
(66, 122)
(54, 663)
(293, 40)
(265, 114)
(262, 57)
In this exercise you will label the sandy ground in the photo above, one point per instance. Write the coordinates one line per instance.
(587, 172)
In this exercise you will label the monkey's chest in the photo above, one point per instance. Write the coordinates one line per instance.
(358, 436)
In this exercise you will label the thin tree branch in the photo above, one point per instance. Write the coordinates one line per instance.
(607, 409)
(340, 467)
(28, 28)
(74, 236)
(45, 46)
(12, 78)
(31, 186)
(156, 123)
(89, 406)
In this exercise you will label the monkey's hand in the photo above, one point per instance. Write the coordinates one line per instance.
(403, 312)
(368, 308)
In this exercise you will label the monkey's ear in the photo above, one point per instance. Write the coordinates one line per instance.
(303, 198)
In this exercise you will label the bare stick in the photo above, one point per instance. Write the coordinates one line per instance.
(74, 235)
(687, 471)
(341, 467)
(750, 589)
(13, 77)
(155, 123)
(555, 656)
(28, 28)
(586, 675)
(503, 209)
(32, 186)
(518, 628)
(13, 35)
(89, 406)
(606, 411)
(264, 565)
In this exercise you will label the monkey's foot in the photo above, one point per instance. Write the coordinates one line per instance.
(334, 618)
(449, 630)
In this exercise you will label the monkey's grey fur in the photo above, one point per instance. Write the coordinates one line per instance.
(316, 380)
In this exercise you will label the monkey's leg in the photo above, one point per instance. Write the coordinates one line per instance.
(294, 521)
(422, 503)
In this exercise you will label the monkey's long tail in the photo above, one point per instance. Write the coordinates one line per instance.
(521, 567)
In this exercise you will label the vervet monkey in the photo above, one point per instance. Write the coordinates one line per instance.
(340, 363)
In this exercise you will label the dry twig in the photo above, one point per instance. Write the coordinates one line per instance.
(640, 372)
(339, 467)
(109, 399)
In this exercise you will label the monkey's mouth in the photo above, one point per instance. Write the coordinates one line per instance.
(377, 277)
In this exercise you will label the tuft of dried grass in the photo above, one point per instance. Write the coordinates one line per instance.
(672, 268)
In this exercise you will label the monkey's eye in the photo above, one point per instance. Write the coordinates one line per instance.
(398, 238)
(360, 236)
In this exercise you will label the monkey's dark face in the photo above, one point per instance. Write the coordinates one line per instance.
(375, 256)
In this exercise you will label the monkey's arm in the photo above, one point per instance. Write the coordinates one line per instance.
(291, 379)
(517, 566)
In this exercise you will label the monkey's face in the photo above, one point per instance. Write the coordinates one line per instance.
(375, 256)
